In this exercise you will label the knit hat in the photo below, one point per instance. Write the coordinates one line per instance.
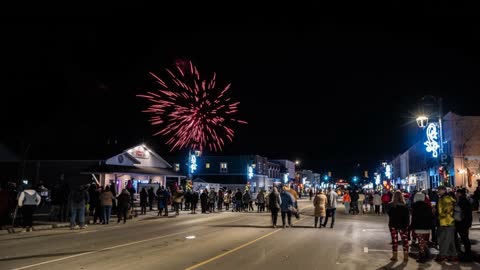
(419, 196)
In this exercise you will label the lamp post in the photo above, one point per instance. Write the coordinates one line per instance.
(422, 122)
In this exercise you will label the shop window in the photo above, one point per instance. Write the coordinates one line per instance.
(223, 167)
(207, 165)
(177, 167)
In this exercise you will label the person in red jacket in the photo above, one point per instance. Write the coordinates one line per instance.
(385, 201)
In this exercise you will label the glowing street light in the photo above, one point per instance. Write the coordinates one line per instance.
(422, 121)
(297, 162)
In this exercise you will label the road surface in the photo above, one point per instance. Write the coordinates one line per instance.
(211, 241)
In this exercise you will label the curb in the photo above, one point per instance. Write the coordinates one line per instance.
(4, 232)
(42, 227)
(61, 225)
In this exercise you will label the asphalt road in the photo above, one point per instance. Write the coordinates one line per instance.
(211, 241)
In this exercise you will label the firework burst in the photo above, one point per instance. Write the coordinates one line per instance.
(192, 112)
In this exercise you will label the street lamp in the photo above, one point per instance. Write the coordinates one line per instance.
(297, 162)
(422, 121)
(433, 144)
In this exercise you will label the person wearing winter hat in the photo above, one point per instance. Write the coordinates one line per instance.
(422, 222)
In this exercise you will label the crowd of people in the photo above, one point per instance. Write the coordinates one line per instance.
(421, 218)
(424, 220)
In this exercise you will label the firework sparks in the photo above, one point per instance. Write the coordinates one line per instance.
(191, 112)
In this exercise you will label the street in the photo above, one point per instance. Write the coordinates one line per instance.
(223, 240)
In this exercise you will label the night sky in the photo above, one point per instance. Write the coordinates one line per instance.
(332, 90)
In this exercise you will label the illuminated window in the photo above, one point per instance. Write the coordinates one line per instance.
(207, 165)
(177, 167)
(223, 167)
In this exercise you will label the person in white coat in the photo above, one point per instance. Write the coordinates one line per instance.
(28, 200)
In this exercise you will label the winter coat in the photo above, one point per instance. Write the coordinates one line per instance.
(82, 194)
(143, 197)
(274, 201)
(354, 196)
(320, 204)
(286, 201)
(445, 210)
(212, 196)
(246, 197)
(399, 217)
(106, 198)
(151, 195)
(178, 197)
(466, 213)
(194, 197)
(332, 199)
(385, 198)
(238, 196)
(261, 198)
(422, 216)
(204, 197)
(346, 198)
(227, 198)
(377, 200)
(123, 200)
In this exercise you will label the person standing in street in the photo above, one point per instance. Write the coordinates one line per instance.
(346, 202)
(28, 202)
(124, 203)
(177, 200)
(463, 222)
(385, 201)
(332, 198)
(221, 196)
(143, 201)
(188, 200)
(212, 199)
(320, 204)
(98, 214)
(361, 200)
(354, 203)
(194, 202)
(163, 199)
(106, 200)
(238, 201)
(377, 202)
(399, 219)
(246, 200)
(422, 222)
(274, 203)
(7, 206)
(310, 194)
(204, 201)
(227, 199)
(286, 204)
(446, 228)
(151, 198)
(78, 200)
(261, 201)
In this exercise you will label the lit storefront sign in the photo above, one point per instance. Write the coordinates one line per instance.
(193, 163)
(250, 172)
(432, 139)
(388, 171)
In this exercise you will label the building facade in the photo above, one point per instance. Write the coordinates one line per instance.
(458, 165)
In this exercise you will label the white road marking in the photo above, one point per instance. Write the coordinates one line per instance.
(190, 237)
(83, 232)
(90, 252)
(366, 250)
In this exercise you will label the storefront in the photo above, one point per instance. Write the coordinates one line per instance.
(138, 165)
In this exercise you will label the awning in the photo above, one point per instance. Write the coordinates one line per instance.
(112, 169)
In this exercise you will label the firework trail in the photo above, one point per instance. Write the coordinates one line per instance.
(192, 112)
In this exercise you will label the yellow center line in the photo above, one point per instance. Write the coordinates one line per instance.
(239, 247)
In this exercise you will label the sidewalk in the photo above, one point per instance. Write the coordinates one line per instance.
(41, 221)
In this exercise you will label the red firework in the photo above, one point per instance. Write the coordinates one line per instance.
(193, 113)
